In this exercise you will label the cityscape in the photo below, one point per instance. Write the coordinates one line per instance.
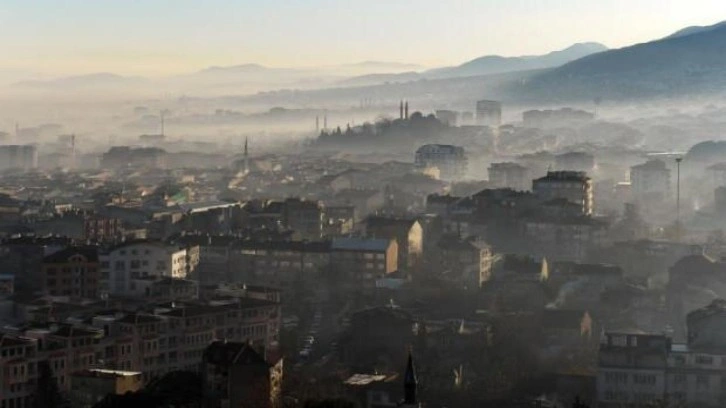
(543, 229)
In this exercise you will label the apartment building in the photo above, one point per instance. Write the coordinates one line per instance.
(360, 261)
(281, 263)
(407, 232)
(130, 268)
(73, 271)
(573, 186)
(641, 369)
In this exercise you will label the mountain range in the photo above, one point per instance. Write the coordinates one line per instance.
(486, 65)
(692, 60)
(689, 61)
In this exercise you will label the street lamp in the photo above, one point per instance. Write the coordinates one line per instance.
(678, 197)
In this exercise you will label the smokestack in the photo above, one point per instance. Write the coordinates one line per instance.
(400, 110)
(317, 124)
(325, 122)
(406, 110)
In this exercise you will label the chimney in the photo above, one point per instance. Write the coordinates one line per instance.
(400, 110)
(406, 110)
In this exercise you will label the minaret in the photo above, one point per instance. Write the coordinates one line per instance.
(406, 110)
(161, 116)
(400, 110)
(246, 158)
(73, 151)
(410, 383)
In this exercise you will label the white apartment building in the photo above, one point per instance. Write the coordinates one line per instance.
(130, 268)
(643, 369)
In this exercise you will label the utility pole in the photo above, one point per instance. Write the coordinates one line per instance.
(678, 198)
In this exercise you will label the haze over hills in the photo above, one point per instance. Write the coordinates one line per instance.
(95, 79)
(494, 64)
(486, 65)
(690, 61)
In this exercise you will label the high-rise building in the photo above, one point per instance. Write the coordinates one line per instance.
(509, 175)
(651, 181)
(23, 157)
(573, 186)
(450, 160)
(448, 117)
(489, 113)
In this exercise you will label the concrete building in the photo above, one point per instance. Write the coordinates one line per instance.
(488, 113)
(236, 375)
(23, 157)
(408, 233)
(102, 229)
(361, 261)
(559, 117)
(651, 181)
(18, 374)
(74, 271)
(575, 161)
(285, 264)
(574, 186)
(88, 387)
(131, 267)
(509, 175)
(448, 117)
(467, 261)
(632, 369)
(119, 157)
(640, 369)
(303, 217)
(450, 160)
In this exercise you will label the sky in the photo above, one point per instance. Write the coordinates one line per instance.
(163, 37)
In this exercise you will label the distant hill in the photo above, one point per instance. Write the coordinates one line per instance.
(384, 66)
(488, 65)
(494, 64)
(695, 30)
(236, 69)
(694, 62)
(374, 79)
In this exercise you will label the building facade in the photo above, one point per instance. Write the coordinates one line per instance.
(574, 186)
(130, 268)
(74, 271)
(450, 160)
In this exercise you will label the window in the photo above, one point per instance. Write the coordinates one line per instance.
(644, 379)
(702, 382)
(704, 360)
(616, 378)
(679, 379)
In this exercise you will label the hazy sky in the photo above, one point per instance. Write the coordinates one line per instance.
(155, 37)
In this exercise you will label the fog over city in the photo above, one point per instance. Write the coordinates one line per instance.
(372, 204)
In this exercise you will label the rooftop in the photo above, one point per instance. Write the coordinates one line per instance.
(360, 244)
(102, 373)
(563, 176)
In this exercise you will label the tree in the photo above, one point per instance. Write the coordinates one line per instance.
(48, 395)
